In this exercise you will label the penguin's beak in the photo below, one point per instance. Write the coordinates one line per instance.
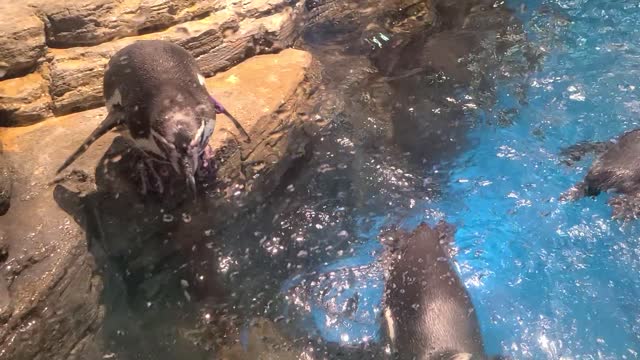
(191, 183)
(189, 166)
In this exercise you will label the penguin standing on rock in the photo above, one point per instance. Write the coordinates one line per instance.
(156, 98)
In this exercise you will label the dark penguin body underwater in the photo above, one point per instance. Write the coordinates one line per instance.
(156, 97)
(428, 314)
(616, 168)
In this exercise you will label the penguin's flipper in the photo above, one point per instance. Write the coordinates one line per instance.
(576, 152)
(237, 124)
(114, 118)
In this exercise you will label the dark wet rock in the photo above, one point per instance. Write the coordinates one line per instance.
(263, 341)
(433, 48)
(6, 187)
(24, 100)
(470, 47)
(22, 44)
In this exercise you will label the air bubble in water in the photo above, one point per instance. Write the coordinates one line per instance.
(186, 218)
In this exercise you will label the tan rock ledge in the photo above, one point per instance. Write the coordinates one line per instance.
(218, 41)
(93, 22)
(49, 305)
(22, 42)
(24, 100)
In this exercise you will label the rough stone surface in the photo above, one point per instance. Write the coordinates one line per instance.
(50, 305)
(22, 44)
(6, 185)
(92, 22)
(24, 100)
(217, 41)
(264, 342)
(76, 73)
(48, 272)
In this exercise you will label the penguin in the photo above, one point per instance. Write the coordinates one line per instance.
(156, 99)
(615, 170)
(427, 313)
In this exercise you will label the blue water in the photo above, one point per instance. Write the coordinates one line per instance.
(549, 280)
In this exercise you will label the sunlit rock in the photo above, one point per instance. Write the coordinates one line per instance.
(217, 42)
(22, 44)
(86, 23)
(24, 100)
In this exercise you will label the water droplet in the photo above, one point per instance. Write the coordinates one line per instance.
(167, 218)
(302, 254)
(186, 218)
(184, 283)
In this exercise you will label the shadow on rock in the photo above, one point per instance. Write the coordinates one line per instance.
(157, 263)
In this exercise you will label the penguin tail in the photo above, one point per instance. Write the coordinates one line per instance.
(113, 119)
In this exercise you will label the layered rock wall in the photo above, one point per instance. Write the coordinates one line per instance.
(53, 54)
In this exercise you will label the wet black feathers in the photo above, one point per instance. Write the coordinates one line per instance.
(138, 81)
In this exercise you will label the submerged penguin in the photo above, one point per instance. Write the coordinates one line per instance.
(428, 314)
(156, 97)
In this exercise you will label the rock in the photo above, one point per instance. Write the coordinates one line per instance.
(53, 285)
(264, 341)
(92, 22)
(49, 273)
(24, 100)
(254, 36)
(259, 8)
(6, 186)
(22, 44)
(76, 74)
(217, 42)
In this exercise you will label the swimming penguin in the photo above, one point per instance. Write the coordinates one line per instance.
(156, 97)
(615, 169)
(427, 314)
